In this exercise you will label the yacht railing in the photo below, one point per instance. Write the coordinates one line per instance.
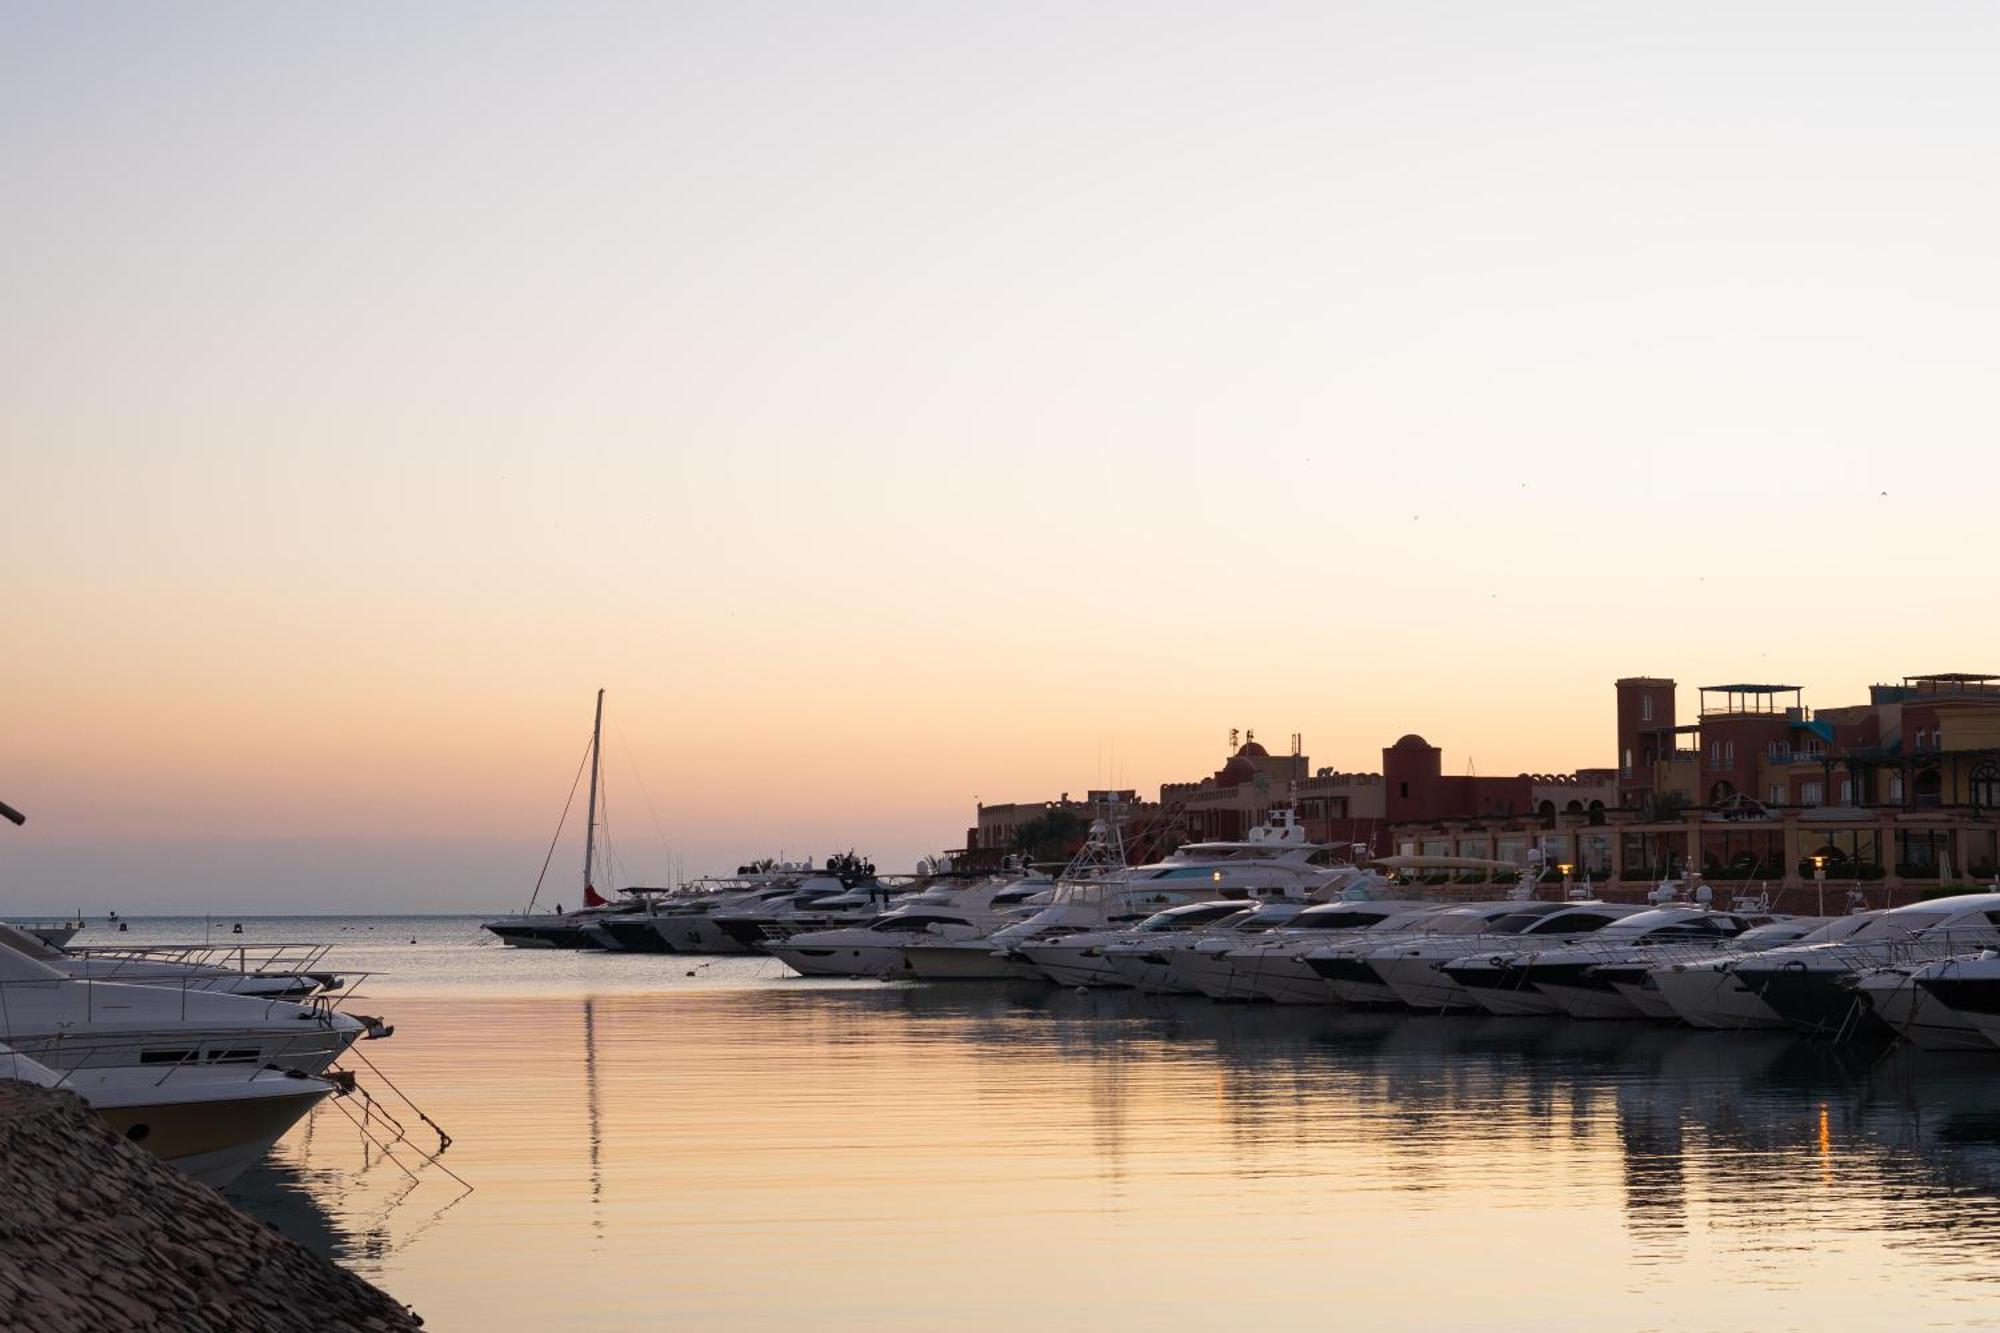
(268, 959)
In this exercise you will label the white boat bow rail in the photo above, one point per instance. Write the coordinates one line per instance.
(284, 958)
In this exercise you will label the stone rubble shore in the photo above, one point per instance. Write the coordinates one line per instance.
(98, 1235)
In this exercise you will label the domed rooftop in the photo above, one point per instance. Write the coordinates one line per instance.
(1253, 750)
(1236, 772)
(1412, 742)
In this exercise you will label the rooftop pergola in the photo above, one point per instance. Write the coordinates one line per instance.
(1755, 699)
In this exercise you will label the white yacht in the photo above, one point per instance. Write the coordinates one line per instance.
(1415, 969)
(1166, 966)
(71, 1024)
(1343, 965)
(1969, 988)
(685, 922)
(1275, 967)
(1809, 985)
(1570, 978)
(821, 901)
(1273, 863)
(1078, 960)
(209, 1121)
(1637, 980)
(1705, 993)
(946, 910)
(1913, 1011)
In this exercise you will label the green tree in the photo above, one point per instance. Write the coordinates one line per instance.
(1051, 836)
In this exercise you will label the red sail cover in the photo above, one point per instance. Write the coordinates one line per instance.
(591, 897)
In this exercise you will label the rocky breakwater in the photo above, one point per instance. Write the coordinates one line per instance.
(98, 1234)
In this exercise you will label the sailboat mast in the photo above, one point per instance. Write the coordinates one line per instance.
(590, 811)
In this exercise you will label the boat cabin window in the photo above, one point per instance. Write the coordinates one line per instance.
(1569, 923)
(1181, 920)
(1348, 919)
(911, 923)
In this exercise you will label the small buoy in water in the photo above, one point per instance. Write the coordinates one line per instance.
(123, 926)
(690, 971)
(413, 939)
(238, 930)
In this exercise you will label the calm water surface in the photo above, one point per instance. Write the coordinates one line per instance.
(734, 1149)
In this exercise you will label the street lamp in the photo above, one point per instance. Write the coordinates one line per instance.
(1819, 878)
(1565, 868)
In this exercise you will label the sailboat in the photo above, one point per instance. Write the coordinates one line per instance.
(559, 929)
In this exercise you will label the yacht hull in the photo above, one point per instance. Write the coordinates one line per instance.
(1284, 979)
(1713, 998)
(636, 935)
(1424, 985)
(1142, 971)
(1815, 1001)
(1073, 967)
(1354, 982)
(214, 1141)
(1589, 1003)
(838, 960)
(695, 933)
(541, 937)
(1919, 1017)
(968, 962)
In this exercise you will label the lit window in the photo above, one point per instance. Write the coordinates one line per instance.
(1645, 708)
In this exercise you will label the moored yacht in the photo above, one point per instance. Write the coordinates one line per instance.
(1639, 980)
(1809, 984)
(81, 1024)
(1416, 969)
(209, 1121)
(1969, 988)
(1573, 979)
(1170, 966)
(1914, 1012)
(1346, 966)
(571, 930)
(1078, 960)
(1275, 968)
(1706, 993)
(946, 910)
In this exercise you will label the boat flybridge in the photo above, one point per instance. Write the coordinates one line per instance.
(945, 910)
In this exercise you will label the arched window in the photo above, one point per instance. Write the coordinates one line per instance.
(1720, 792)
(1986, 785)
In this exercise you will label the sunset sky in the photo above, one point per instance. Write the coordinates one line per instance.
(897, 405)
